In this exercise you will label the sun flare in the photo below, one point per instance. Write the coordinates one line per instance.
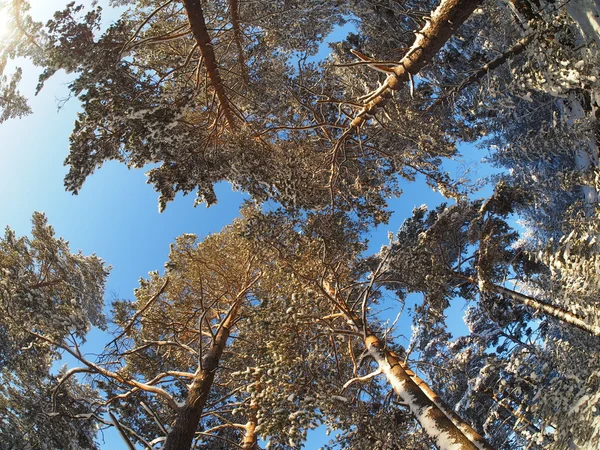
(4, 22)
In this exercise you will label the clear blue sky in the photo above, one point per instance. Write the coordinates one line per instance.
(116, 214)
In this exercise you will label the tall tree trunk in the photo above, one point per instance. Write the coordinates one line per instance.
(188, 417)
(436, 424)
(195, 15)
(445, 20)
(442, 427)
(446, 432)
(250, 441)
(551, 310)
(466, 429)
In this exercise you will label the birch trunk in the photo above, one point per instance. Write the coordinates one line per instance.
(446, 430)
(436, 423)
(466, 429)
(442, 431)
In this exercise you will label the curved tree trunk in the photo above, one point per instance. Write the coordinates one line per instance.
(195, 15)
(188, 417)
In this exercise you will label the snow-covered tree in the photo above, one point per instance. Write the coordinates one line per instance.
(49, 297)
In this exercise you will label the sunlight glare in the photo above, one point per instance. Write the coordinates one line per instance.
(4, 22)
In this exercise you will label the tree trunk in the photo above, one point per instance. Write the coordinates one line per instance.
(188, 417)
(524, 8)
(466, 429)
(446, 432)
(195, 15)
(546, 308)
(443, 430)
(445, 20)
(250, 441)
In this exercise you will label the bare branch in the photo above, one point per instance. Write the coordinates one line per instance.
(127, 327)
(361, 379)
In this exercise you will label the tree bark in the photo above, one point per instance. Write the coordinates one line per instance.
(443, 430)
(250, 441)
(195, 15)
(188, 417)
(466, 429)
(445, 20)
(551, 310)
(524, 7)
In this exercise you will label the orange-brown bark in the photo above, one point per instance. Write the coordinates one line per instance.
(198, 25)
(188, 416)
(445, 20)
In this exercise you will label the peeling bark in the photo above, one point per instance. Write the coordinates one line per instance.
(436, 422)
(445, 20)
(467, 430)
(188, 416)
(195, 15)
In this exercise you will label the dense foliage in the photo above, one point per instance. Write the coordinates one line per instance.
(277, 324)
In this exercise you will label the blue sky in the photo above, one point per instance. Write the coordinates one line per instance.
(116, 214)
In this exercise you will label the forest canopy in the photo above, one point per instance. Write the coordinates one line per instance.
(280, 323)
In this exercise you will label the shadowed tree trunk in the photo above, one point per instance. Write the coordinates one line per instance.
(188, 417)
(546, 308)
(238, 37)
(474, 77)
